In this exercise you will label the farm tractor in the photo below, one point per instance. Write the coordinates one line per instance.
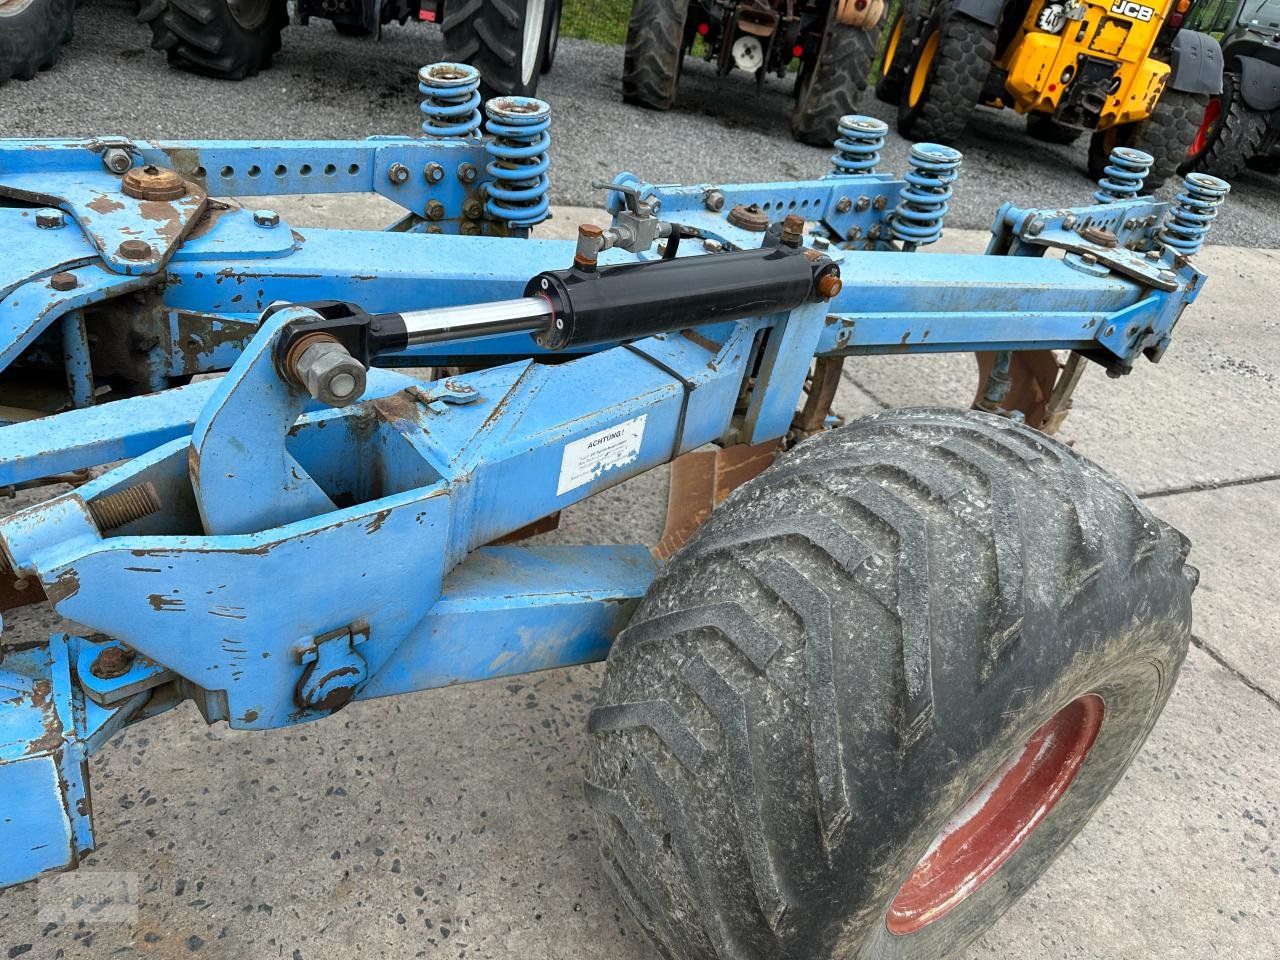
(1127, 72)
(1242, 125)
(510, 41)
(830, 43)
(856, 710)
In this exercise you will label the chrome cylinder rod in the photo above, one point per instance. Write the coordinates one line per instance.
(476, 320)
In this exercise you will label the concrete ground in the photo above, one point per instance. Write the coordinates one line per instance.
(451, 823)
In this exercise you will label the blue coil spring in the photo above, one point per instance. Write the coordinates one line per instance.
(1187, 222)
(1123, 177)
(922, 203)
(858, 145)
(451, 101)
(518, 183)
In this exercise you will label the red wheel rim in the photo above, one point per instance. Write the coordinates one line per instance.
(998, 818)
(1211, 114)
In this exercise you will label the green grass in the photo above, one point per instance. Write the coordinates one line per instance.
(604, 21)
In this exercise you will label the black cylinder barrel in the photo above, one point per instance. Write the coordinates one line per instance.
(636, 300)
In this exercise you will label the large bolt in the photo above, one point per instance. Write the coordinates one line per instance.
(433, 172)
(266, 218)
(792, 229)
(135, 250)
(327, 371)
(472, 208)
(398, 173)
(435, 210)
(117, 159)
(467, 173)
(50, 219)
(111, 663)
(714, 201)
(125, 506)
(864, 203)
(844, 205)
(469, 228)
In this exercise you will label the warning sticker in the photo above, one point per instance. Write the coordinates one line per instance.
(586, 459)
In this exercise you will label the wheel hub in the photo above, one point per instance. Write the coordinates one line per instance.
(986, 831)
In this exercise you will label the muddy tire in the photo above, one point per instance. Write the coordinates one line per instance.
(893, 64)
(946, 77)
(1048, 130)
(831, 84)
(228, 39)
(1167, 135)
(922, 607)
(31, 36)
(504, 39)
(1230, 133)
(655, 53)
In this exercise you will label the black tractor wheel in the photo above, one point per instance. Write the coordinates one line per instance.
(32, 33)
(874, 696)
(228, 39)
(893, 63)
(655, 52)
(1048, 130)
(832, 82)
(551, 38)
(351, 29)
(1230, 133)
(946, 76)
(503, 39)
(1167, 135)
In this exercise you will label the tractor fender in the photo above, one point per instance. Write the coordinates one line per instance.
(984, 11)
(1259, 84)
(1196, 63)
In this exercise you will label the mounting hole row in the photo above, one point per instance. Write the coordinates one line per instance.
(281, 170)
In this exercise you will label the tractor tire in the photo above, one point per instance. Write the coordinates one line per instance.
(955, 54)
(351, 29)
(32, 33)
(833, 81)
(655, 53)
(551, 39)
(893, 65)
(1230, 133)
(227, 39)
(1167, 135)
(503, 39)
(1048, 130)
(903, 615)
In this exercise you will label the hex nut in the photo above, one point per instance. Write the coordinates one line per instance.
(472, 209)
(64, 281)
(135, 250)
(467, 173)
(435, 210)
(330, 374)
(714, 201)
(398, 173)
(266, 218)
(111, 663)
(864, 203)
(50, 219)
(117, 159)
(433, 172)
